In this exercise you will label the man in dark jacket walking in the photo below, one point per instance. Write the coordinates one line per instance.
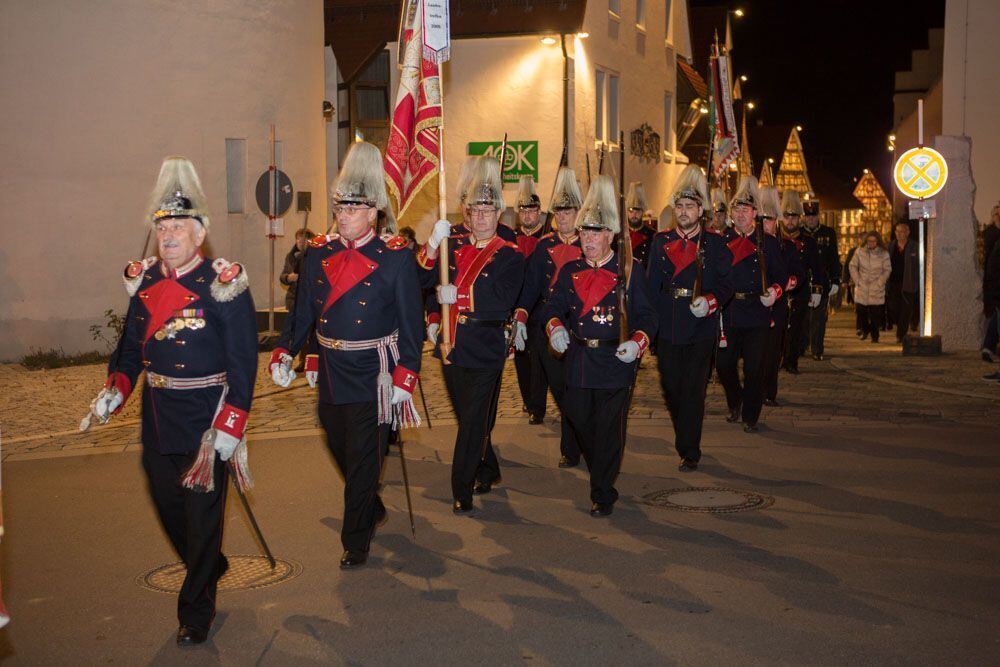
(903, 280)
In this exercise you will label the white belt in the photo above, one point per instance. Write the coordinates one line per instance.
(158, 381)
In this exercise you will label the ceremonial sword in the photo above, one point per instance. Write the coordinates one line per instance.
(253, 519)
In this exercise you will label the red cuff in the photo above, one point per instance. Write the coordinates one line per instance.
(642, 339)
(521, 315)
(120, 382)
(423, 260)
(793, 282)
(552, 325)
(777, 288)
(231, 420)
(312, 363)
(713, 304)
(404, 378)
(434, 318)
(276, 356)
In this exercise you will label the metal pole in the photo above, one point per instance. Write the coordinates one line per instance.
(271, 205)
(923, 273)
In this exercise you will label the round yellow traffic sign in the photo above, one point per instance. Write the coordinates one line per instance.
(920, 173)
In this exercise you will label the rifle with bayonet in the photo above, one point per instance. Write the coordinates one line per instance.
(624, 250)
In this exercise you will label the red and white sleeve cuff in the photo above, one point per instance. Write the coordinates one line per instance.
(552, 325)
(423, 260)
(640, 338)
(793, 282)
(119, 381)
(231, 420)
(434, 318)
(713, 303)
(777, 290)
(521, 315)
(312, 363)
(404, 378)
(276, 356)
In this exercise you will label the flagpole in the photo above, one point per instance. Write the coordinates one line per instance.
(443, 215)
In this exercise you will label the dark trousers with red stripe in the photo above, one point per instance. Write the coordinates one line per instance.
(745, 343)
(555, 375)
(600, 417)
(358, 444)
(474, 392)
(531, 379)
(193, 522)
(684, 372)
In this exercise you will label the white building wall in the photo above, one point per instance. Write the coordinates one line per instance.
(96, 93)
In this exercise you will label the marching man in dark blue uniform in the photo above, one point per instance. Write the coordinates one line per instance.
(554, 251)
(584, 320)
(191, 326)
(814, 286)
(720, 211)
(361, 295)
(688, 278)
(465, 176)
(486, 274)
(640, 232)
(769, 212)
(826, 243)
(530, 374)
(759, 276)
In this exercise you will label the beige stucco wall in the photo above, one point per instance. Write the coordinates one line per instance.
(96, 92)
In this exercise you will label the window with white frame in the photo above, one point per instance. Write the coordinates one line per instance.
(606, 106)
(666, 22)
(640, 14)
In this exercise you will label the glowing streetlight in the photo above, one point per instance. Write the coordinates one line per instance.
(751, 106)
(743, 78)
(739, 13)
(798, 128)
(703, 109)
(548, 41)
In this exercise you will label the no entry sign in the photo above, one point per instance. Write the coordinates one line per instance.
(920, 173)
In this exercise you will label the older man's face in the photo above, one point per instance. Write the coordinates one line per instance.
(596, 243)
(902, 233)
(743, 216)
(178, 240)
(483, 220)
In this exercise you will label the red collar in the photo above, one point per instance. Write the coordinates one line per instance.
(598, 264)
(184, 269)
(360, 241)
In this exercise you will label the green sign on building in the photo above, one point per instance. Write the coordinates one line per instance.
(520, 160)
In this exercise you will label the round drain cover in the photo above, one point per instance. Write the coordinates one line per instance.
(711, 499)
(244, 572)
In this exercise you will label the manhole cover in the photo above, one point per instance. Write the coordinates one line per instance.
(714, 499)
(244, 572)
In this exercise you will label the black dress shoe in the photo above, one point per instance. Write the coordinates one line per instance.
(601, 509)
(751, 428)
(535, 420)
(688, 465)
(773, 402)
(190, 636)
(485, 487)
(566, 463)
(353, 559)
(793, 370)
(461, 506)
(381, 516)
(223, 565)
(734, 416)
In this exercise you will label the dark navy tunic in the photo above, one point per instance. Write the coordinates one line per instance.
(550, 255)
(745, 308)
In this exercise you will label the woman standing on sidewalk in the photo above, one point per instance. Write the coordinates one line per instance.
(870, 269)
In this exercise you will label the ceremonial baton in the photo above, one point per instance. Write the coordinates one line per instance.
(253, 520)
(406, 486)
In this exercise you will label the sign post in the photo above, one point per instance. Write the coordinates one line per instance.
(273, 194)
(920, 173)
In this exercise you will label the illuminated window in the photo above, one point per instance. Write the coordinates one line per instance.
(668, 121)
(606, 106)
(615, 7)
(640, 14)
(236, 175)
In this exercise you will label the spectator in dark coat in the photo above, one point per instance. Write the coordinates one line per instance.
(293, 263)
(903, 282)
(991, 290)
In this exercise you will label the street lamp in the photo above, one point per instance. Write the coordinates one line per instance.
(548, 41)
(743, 78)
(739, 13)
(798, 128)
(751, 106)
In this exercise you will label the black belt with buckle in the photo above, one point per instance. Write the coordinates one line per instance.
(742, 296)
(679, 292)
(476, 322)
(594, 342)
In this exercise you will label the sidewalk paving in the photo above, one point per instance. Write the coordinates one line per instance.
(880, 546)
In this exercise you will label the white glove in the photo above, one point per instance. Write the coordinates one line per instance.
(432, 332)
(441, 231)
(399, 395)
(520, 336)
(311, 378)
(447, 294)
(627, 352)
(107, 401)
(223, 443)
(282, 372)
(699, 307)
(769, 298)
(834, 288)
(559, 339)
(814, 300)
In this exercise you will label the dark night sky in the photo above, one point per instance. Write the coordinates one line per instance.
(828, 65)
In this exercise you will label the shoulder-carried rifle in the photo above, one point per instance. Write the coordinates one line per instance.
(624, 250)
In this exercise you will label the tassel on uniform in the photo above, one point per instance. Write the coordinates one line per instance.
(201, 476)
(405, 415)
(384, 393)
(241, 466)
(722, 335)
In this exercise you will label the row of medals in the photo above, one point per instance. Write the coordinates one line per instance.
(171, 328)
(603, 314)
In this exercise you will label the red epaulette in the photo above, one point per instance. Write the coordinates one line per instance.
(318, 241)
(396, 242)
